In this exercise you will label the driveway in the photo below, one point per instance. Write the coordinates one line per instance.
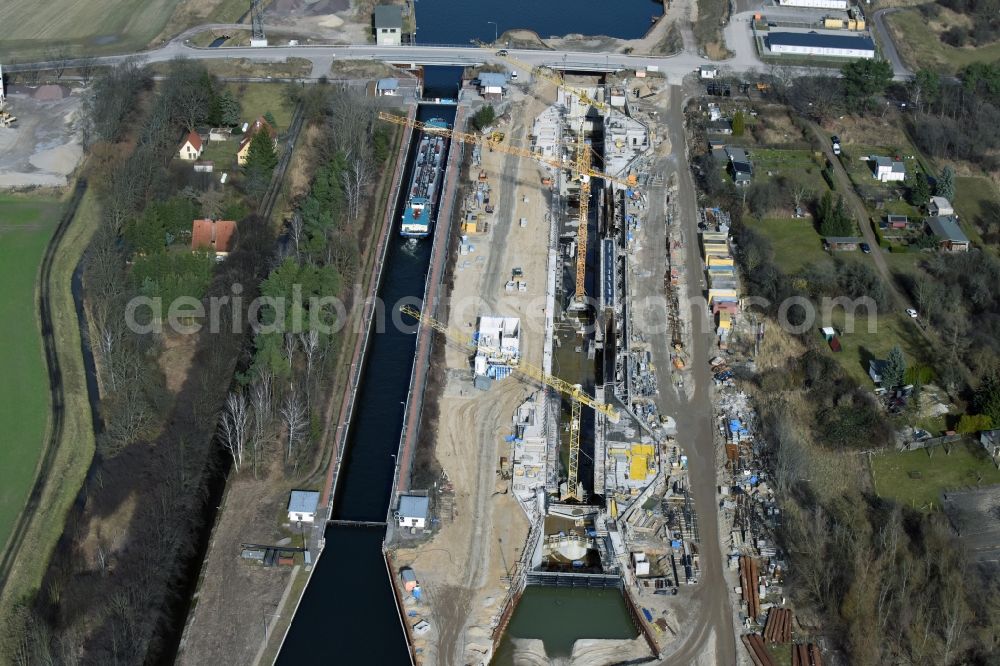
(899, 69)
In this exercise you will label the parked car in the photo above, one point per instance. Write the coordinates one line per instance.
(502, 53)
(835, 142)
(912, 313)
(866, 248)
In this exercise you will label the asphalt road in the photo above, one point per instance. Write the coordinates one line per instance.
(899, 69)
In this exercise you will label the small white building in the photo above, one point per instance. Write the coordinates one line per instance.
(816, 4)
(492, 85)
(887, 169)
(302, 506)
(498, 346)
(413, 511)
(388, 25)
(708, 72)
(939, 207)
(387, 87)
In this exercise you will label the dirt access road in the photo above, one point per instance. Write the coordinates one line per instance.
(713, 639)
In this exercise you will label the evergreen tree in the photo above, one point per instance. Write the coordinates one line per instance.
(269, 117)
(739, 124)
(920, 191)
(946, 184)
(484, 117)
(895, 368)
(261, 160)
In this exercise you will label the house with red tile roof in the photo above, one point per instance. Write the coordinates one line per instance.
(192, 147)
(218, 236)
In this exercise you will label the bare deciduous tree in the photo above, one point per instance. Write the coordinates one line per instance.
(261, 399)
(294, 414)
(234, 426)
(295, 230)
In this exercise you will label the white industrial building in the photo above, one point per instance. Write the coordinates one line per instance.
(821, 44)
(302, 506)
(414, 510)
(498, 346)
(388, 25)
(815, 4)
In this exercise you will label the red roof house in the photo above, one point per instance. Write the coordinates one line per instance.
(258, 125)
(218, 236)
(191, 148)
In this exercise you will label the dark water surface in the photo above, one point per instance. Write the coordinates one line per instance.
(348, 615)
(451, 22)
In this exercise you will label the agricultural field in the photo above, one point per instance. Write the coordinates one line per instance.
(917, 478)
(26, 225)
(30, 29)
(920, 45)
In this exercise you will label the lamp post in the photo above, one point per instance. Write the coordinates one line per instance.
(496, 31)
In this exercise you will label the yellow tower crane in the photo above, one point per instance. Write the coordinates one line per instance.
(494, 144)
(572, 391)
(541, 72)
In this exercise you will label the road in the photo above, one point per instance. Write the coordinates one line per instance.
(674, 68)
(712, 637)
(899, 69)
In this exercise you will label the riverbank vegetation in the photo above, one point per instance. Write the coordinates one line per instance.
(139, 521)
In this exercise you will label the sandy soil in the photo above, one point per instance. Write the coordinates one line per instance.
(463, 566)
(225, 626)
(43, 147)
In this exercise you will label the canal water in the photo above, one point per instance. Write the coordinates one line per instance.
(348, 614)
(561, 616)
(448, 22)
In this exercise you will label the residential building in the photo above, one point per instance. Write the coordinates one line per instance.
(939, 206)
(820, 44)
(897, 221)
(720, 126)
(413, 511)
(887, 169)
(948, 234)
(875, 369)
(841, 243)
(302, 506)
(388, 25)
(387, 88)
(192, 147)
(218, 236)
(739, 165)
(259, 125)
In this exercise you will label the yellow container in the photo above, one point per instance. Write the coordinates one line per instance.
(833, 23)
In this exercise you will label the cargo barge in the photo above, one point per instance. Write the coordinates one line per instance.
(428, 171)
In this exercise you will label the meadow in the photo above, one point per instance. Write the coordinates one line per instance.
(26, 225)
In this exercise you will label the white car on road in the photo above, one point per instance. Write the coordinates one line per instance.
(912, 313)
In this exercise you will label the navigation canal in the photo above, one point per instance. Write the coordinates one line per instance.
(348, 614)
(442, 22)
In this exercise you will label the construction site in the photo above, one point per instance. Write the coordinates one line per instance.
(557, 468)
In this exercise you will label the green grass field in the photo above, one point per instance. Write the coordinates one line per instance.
(94, 26)
(972, 199)
(259, 98)
(917, 479)
(75, 449)
(26, 225)
(891, 328)
(795, 242)
(921, 47)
